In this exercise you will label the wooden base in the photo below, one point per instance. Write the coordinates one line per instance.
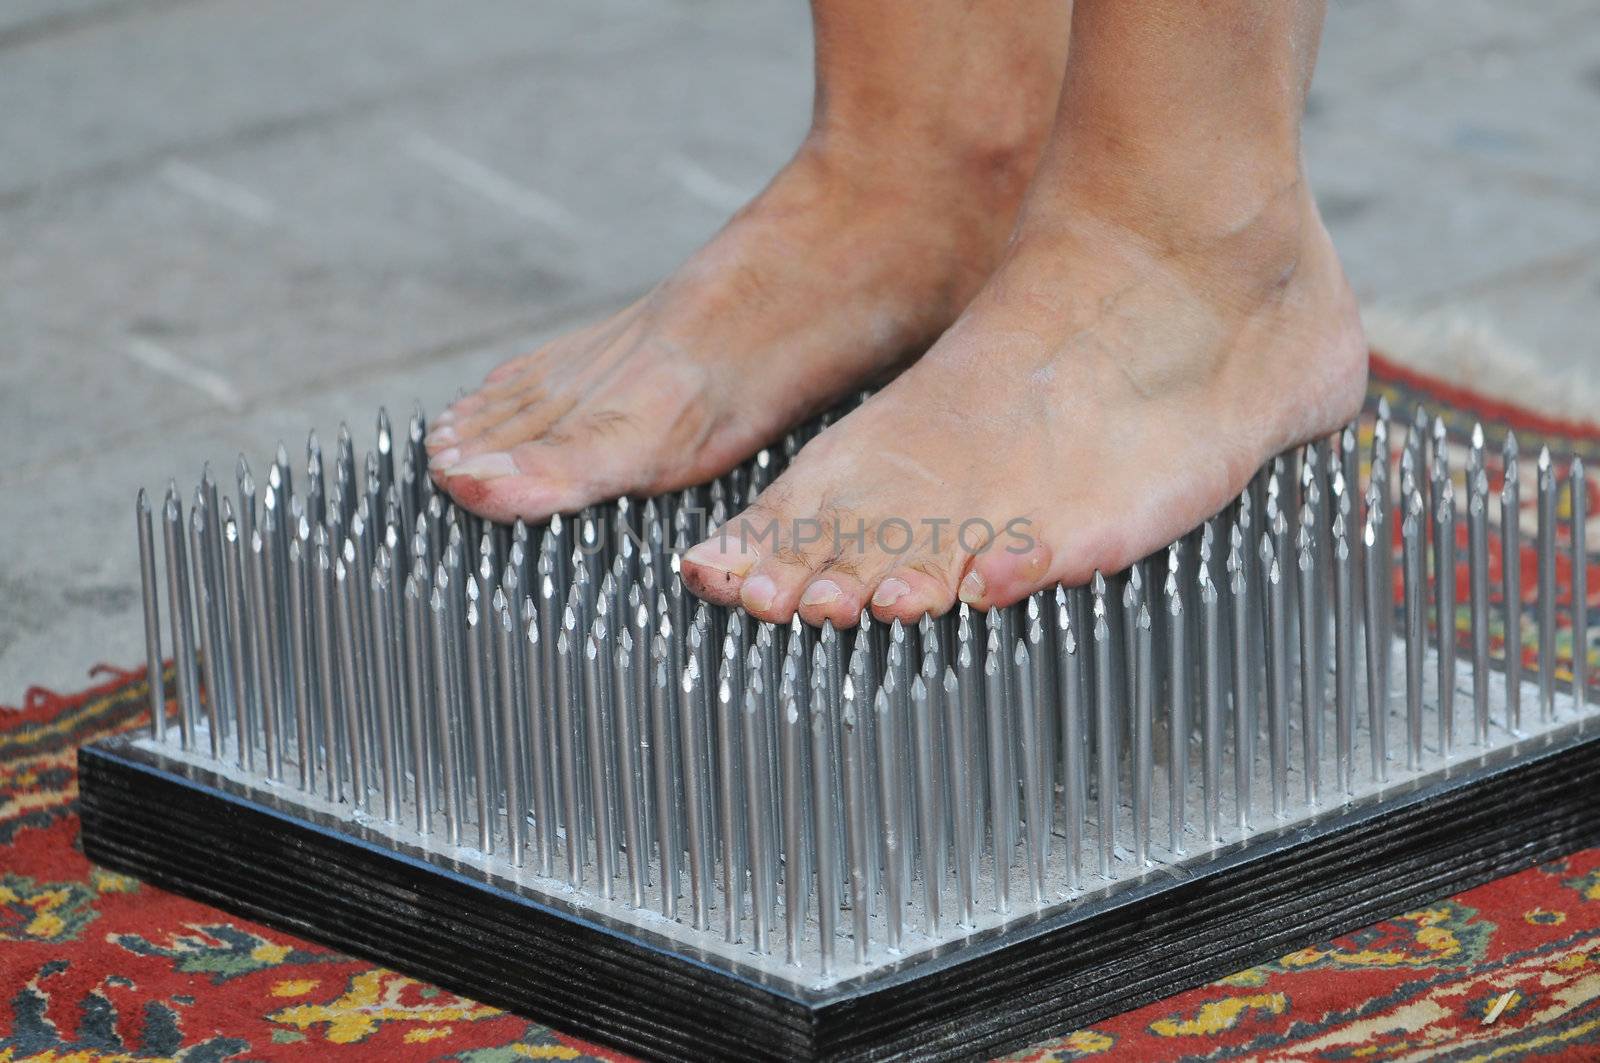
(189, 830)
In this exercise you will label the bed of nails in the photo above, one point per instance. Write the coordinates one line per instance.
(547, 707)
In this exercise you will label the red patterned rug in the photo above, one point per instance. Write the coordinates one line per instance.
(95, 965)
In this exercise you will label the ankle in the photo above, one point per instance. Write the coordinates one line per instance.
(1221, 294)
(982, 151)
(1253, 249)
(937, 212)
(1241, 241)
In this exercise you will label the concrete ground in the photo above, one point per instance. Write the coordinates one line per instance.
(223, 222)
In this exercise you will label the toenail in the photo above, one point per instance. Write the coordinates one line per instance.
(490, 466)
(821, 592)
(445, 417)
(890, 591)
(758, 592)
(441, 435)
(718, 553)
(1038, 561)
(972, 588)
(445, 458)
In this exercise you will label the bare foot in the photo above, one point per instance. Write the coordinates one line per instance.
(851, 262)
(1104, 394)
(1171, 314)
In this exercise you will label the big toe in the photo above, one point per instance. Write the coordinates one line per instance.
(534, 480)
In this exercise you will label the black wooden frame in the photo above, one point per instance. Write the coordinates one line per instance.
(189, 830)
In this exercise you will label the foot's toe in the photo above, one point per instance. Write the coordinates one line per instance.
(771, 591)
(715, 569)
(463, 409)
(509, 429)
(1009, 569)
(457, 424)
(490, 413)
(822, 569)
(538, 462)
(442, 436)
(505, 486)
(916, 588)
(833, 594)
(766, 558)
(509, 371)
(533, 480)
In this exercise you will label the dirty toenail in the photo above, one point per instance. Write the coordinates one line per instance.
(890, 591)
(441, 435)
(758, 592)
(445, 458)
(720, 553)
(490, 466)
(972, 588)
(821, 592)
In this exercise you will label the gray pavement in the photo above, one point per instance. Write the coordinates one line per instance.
(222, 222)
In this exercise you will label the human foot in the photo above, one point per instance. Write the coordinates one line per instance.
(725, 354)
(850, 263)
(1101, 396)
(1171, 314)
